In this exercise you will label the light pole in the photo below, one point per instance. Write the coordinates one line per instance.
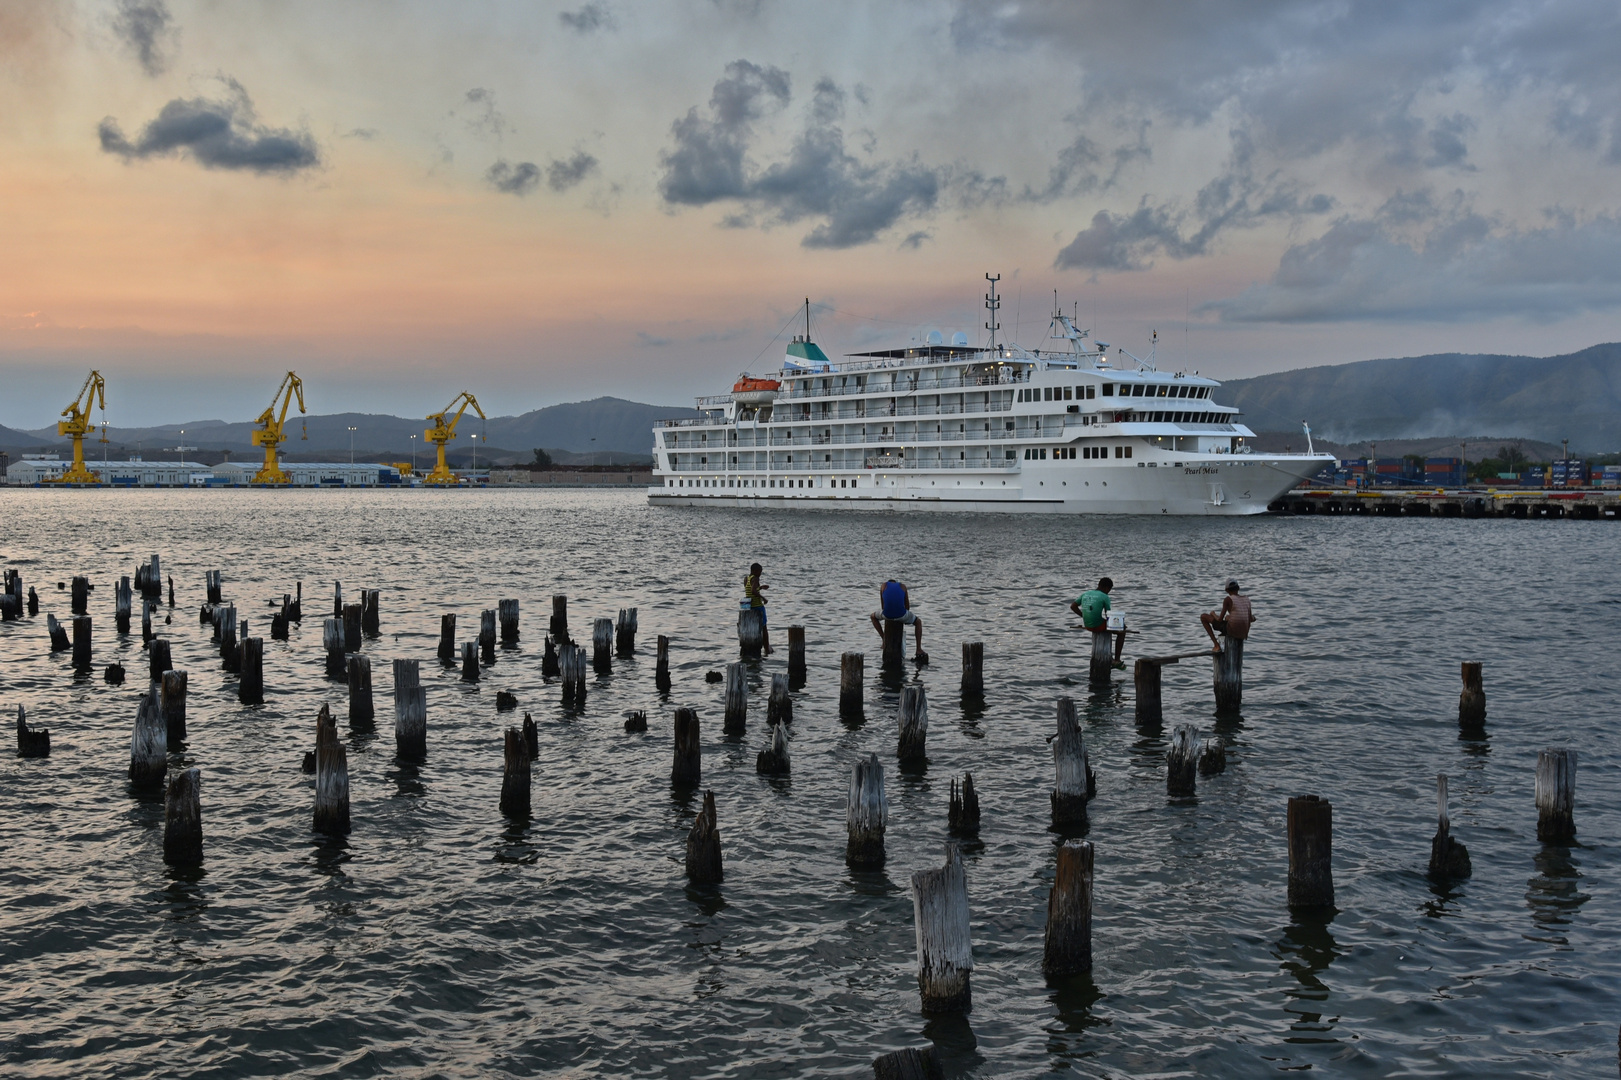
(413, 455)
(474, 440)
(180, 448)
(351, 446)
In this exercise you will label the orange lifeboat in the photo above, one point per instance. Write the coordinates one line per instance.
(749, 390)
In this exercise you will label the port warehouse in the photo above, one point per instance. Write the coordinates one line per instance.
(34, 470)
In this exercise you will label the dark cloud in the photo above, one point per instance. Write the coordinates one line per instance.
(483, 118)
(562, 175)
(916, 240)
(852, 200)
(510, 179)
(148, 30)
(364, 134)
(589, 19)
(217, 135)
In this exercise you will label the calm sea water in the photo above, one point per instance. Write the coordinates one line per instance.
(442, 940)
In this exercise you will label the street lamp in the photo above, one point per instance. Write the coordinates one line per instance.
(413, 455)
(351, 446)
(475, 453)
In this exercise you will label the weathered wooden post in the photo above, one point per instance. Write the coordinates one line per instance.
(1556, 796)
(866, 815)
(447, 638)
(572, 665)
(410, 712)
(531, 736)
(211, 586)
(507, 613)
(559, 625)
(1145, 675)
(796, 657)
(1212, 756)
(973, 668)
(81, 643)
(1311, 852)
(1182, 761)
(1448, 857)
(337, 599)
(851, 704)
(913, 720)
(149, 744)
(635, 721)
(279, 621)
(123, 603)
(171, 590)
(114, 674)
(703, 846)
(908, 1064)
(688, 768)
(250, 688)
(1229, 675)
(661, 667)
(296, 612)
(773, 760)
(81, 596)
(505, 701)
(371, 619)
(352, 635)
(332, 642)
(750, 633)
(157, 658)
(549, 667)
(172, 700)
(146, 620)
(515, 776)
(1073, 785)
(1069, 913)
(779, 706)
(737, 699)
(59, 636)
(486, 634)
(361, 711)
(894, 654)
(625, 632)
(1472, 701)
(183, 820)
(469, 662)
(1102, 664)
(228, 643)
(945, 951)
(602, 646)
(962, 815)
(331, 778)
(31, 742)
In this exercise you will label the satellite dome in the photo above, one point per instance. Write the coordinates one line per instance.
(959, 338)
(936, 338)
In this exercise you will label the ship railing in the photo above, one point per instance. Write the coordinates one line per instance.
(908, 386)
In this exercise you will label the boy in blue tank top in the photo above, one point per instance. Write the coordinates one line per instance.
(895, 603)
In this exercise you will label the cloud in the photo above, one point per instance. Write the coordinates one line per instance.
(853, 200)
(562, 175)
(147, 29)
(589, 19)
(363, 134)
(915, 240)
(221, 134)
(519, 179)
(486, 119)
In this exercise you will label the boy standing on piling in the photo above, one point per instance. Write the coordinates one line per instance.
(1092, 606)
(895, 603)
(1233, 619)
(752, 592)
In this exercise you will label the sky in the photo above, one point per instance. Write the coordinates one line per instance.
(547, 202)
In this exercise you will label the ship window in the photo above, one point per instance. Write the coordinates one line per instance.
(1108, 389)
(1046, 393)
(1043, 453)
(1067, 393)
(1091, 392)
(1128, 451)
(1010, 455)
(1120, 451)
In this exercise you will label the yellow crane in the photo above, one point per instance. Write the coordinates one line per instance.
(269, 435)
(441, 433)
(77, 423)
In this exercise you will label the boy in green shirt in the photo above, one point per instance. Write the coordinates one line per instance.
(1091, 606)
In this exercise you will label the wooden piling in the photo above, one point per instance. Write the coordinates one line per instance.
(962, 815)
(1448, 857)
(80, 596)
(228, 643)
(505, 701)
(515, 776)
(703, 846)
(146, 619)
(894, 654)
(635, 721)
(602, 646)
(796, 657)
(1228, 666)
(851, 704)
(1182, 761)
(1145, 677)
(1556, 796)
(945, 952)
(737, 699)
(183, 820)
(81, 643)
(123, 603)
(571, 663)
(279, 621)
(750, 633)
(779, 706)
(549, 667)
(559, 624)
(59, 635)
(486, 634)
(331, 778)
(211, 586)
(410, 712)
(31, 742)
(1472, 701)
(507, 613)
(866, 814)
(973, 668)
(1212, 756)
(687, 771)
(171, 590)
(250, 687)
(157, 658)
(1069, 913)
(172, 701)
(1102, 662)
(447, 638)
(371, 619)
(149, 744)
(469, 662)
(531, 736)
(114, 675)
(296, 612)
(912, 718)
(361, 712)
(908, 1064)
(1311, 852)
(1073, 784)
(33, 601)
(332, 641)
(625, 632)
(661, 667)
(773, 760)
(337, 599)
(352, 635)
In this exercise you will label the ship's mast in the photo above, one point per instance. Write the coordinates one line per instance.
(807, 318)
(992, 305)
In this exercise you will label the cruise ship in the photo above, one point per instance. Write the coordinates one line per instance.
(953, 427)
